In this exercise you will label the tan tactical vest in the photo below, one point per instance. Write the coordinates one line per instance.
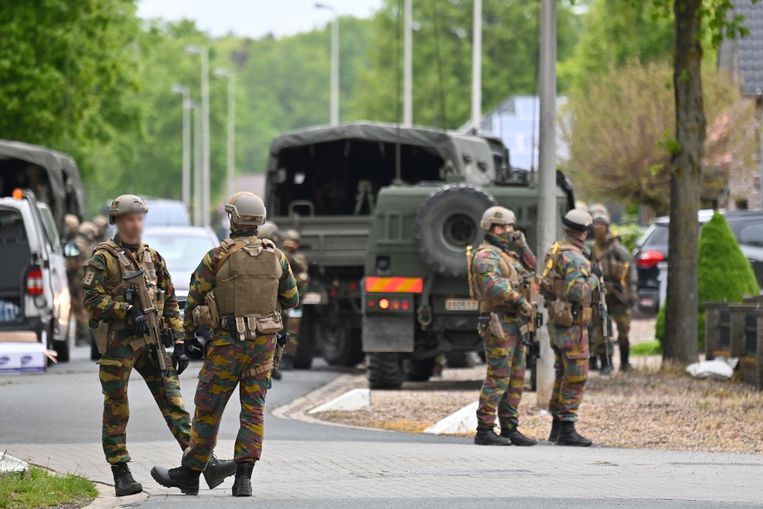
(246, 282)
(508, 268)
(613, 268)
(561, 312)
(130, 262)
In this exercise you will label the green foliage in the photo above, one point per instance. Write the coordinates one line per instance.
(646, 348)
(39, 489)
(629, 233)
(442, 58)
(724, 275)
(67, 70)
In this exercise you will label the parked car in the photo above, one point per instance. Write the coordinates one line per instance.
(652, 248)
(161, 212)
(34, 291)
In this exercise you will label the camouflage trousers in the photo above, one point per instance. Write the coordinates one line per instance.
(621, 316)
(505, 379)
(228, 364)
(570, 347)
(115, 368)
(291, 325)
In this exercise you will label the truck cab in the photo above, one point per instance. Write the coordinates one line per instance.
(386, 214)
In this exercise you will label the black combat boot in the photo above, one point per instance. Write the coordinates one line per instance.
(593, 364)
(568, 435)
(181, 477)
(487, 436)
(517, 438)
(287, 363)
(124, 484)
(554, 435)
(242, 486)
(606, 364)
(625, 354)
(276, 374)
(217, 470)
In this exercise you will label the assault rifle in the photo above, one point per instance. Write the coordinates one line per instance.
(282, 339)
(603, 313)
(529, 329)
(156, 341)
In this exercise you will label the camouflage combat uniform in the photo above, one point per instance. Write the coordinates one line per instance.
(299, 267)
(619, 280)
(496, 275)
(104, 299)
(567, 281)
(231, 360)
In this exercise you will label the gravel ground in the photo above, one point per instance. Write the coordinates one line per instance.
(648, 407)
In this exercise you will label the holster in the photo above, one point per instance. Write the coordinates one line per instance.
(101, 335)
(282, 339)
(496, 327)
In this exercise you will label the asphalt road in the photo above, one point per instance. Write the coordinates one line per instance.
(54, 419)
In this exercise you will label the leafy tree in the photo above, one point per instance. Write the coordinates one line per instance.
(442, 58)
(615, 128)
(67, 69)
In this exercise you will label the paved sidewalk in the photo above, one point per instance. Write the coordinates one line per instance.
(322, 470)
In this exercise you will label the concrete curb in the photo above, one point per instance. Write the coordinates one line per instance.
(106, 498)
(460, 422)
(350, 401)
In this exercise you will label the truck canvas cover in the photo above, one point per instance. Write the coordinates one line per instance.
(61, 189)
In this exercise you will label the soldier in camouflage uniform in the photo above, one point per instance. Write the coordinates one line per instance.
(240, 289)
(299, 267)
(570, 288)
(75, 263)
(620, 280)
(120, 330)
(498, 273)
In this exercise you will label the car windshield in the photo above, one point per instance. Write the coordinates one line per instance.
(658, 236)
(181, 252)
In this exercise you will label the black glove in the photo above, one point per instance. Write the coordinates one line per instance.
(194, 347)
(518, 239)
(138, 320)
(179, 359)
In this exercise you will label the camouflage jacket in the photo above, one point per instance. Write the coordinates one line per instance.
(103, 273)
(299, 267)
(617, 266)
(203, 281)
(496, 288)
(568, 263)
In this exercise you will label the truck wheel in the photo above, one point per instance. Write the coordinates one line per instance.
(303, 357)
(341, 346)
(420, 370)
(447, 222)
(384, 371)
(459, 359)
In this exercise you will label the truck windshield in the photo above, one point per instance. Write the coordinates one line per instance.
(343, 177)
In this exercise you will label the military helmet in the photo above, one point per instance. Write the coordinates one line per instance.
(88, 230)
(596, 209)
(497, 215)
(292, 235)
(100, 221)
(245, 209)
(72, 223)
(577, 220)
(601, 217)
(126, 204)
(268, 230)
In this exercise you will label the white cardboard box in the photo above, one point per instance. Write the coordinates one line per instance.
(22, 358)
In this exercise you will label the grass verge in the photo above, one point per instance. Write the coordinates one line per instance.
(646, 348)
(40, 489)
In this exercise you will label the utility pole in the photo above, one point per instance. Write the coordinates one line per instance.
(198, 163)
(203, 53)
(334, 112)
(408, 64)
(231, 128)
(477, 65)
(186, 172)
(546, 177)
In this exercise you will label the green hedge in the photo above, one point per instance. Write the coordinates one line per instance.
(724, 273)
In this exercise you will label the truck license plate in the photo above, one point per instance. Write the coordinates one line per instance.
(311, 298)
(461, 305)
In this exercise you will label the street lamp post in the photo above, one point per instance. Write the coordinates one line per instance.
(334, 111)
(198, 194)
(231, 128)
(186, 173)
(408, 64)
(203, 53)
(477, 65)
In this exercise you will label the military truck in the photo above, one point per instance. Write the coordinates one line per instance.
(386, 213)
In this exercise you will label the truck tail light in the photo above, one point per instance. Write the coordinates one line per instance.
(383, 304)
(649, 259)
(34, 281)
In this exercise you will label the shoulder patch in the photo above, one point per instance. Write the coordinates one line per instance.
(89, 276)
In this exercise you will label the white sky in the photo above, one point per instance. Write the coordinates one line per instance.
(253, 18)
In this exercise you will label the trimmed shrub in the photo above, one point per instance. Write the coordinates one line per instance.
(724, 274)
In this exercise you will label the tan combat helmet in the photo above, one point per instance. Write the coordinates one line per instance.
(268, 230)
(601, 217)
(596, 209)
(245, 210)
(88, 230)
(100, 222)
(292, 235)
(126, 204)
(577, 220)
(497, 215)
(71, 222)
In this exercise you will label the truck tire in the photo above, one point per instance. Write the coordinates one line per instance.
(340, 345)
(446, 222)
(384, 371)
(420, 370)
(303, 357)
(459, 359)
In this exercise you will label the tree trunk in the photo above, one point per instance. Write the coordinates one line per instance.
(685, 181)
